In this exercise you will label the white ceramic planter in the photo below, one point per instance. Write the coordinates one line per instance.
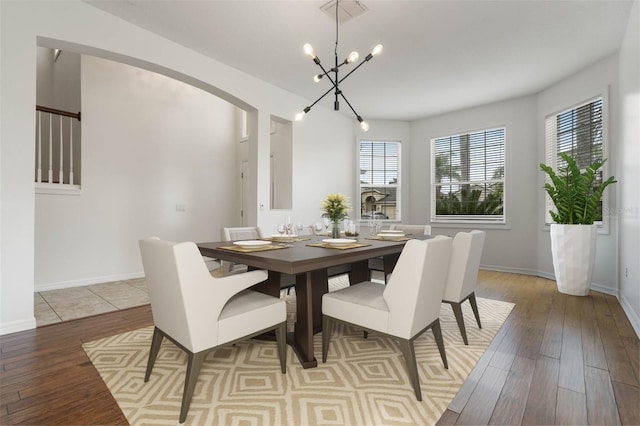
(573, 248)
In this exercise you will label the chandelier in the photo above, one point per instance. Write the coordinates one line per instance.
(335, 80)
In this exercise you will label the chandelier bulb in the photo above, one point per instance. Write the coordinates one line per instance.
(317, 77)
(308, 50)
(353, 56)
(299, 116)
(377, 50)
(363, 124)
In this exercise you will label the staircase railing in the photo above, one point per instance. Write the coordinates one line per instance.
(53, 145)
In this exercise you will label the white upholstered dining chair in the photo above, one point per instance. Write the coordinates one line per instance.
(404, 308)
(412, 229)
(238, 234)
(250, 233)
(241, 233)
(200, 313)
(377, 263)
(463, 275)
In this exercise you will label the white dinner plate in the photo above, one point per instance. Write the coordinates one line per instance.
(283, 236)
(339, 241)
(387, 235)
(252, 243)
(393, 231)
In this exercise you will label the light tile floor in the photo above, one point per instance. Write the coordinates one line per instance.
(77, 302)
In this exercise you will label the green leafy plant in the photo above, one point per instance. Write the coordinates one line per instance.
(576, 195)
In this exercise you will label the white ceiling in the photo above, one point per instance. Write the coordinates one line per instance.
(438, 56)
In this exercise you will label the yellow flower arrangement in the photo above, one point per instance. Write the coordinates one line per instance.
(335, 207)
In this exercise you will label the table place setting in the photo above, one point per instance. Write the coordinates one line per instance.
(292, 238)
(249, 246)
(339, 243)
(390, 235)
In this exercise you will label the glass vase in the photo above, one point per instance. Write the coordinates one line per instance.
(335, 230)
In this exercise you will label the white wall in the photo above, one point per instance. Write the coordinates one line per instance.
(78, 27)
(322, 164)
(509, 247)
(598, 79)
(45, 80)
(628, 170)
(150, 143)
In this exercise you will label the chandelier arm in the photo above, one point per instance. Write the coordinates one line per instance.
(318, 100)
(326, 73)
(352, 71)
(354, 111)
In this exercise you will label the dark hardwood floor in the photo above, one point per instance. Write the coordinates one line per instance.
(557, 360)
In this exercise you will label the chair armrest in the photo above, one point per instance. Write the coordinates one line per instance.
(231, 285)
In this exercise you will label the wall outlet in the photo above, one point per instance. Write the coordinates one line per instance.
(181, 207)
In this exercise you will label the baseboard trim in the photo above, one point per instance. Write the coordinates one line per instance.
(16, 326)
(512, 270)
(604, 289)
(594, 286)
(631, 314)
(87, 281)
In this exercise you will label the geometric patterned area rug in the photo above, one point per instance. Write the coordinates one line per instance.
(364, 381)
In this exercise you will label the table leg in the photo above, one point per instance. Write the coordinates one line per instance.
(389, 262)
(309, 290)
(271, 286)
(359, 272)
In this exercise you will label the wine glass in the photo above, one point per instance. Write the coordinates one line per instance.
(281, 229)
(289, 225)
(326, 222)
(318, 228)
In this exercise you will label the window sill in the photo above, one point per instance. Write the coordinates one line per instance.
(466, 224)
(57, 189)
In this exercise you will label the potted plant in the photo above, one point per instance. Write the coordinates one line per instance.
(335, 207)
(576, 196)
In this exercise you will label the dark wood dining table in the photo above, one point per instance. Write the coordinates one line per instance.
(309, 265)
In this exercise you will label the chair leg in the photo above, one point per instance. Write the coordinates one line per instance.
(193, 370)
(281, 339)
(409, 354)
(365, 334)
(457, 311)
(156, 341)
(327, 325)
(437, 334)
(474, 306)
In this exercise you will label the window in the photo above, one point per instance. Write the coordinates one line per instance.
(379, 180)
(577, 132)
(467, 175)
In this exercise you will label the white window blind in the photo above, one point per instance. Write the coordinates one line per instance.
(379, 180)
(468, 177)
(577, 132)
